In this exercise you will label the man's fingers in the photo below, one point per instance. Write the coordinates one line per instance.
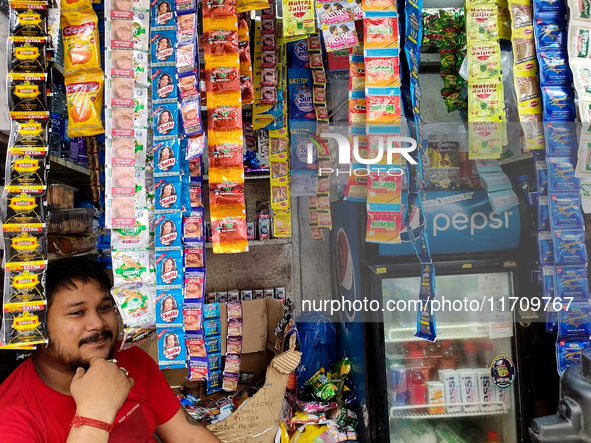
(131, 382)
(79, 373)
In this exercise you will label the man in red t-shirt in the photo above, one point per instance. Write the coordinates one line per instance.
(69, 391)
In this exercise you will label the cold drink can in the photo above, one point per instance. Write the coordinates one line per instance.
(451, 388)
(399, 385)
(469, 389)
(486, 390)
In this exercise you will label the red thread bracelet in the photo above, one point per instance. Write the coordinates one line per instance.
(78, 421)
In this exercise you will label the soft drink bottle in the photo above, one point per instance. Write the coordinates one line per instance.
(471, 356)
(448, 356)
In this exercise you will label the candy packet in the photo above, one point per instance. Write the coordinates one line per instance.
(561, 139)
(169, 305)
(162, 14)
(27, 96)
(224, 112)
(168, 191)
(165, 117)
(574, 321)
(164, 84)
(166, 158)
(561, 174)
(130, 266)
(194, 286)
(380, 30)
(554, 68)
(171, 349)
(558, 103)
(382, 71)
(84, 100)
(24, 288)
(167, 228)
(169, 269)
(550, 33)
(81, 41)
(571, 281)
(382, 105)
(163, 45)
(220, 37)
(194, 255)
(27, 55)
(28, 19)
(545, 248)
(568, 352)
(132, 237)
(569, 246)
(134, 303)
(192, 315)
(565, 210)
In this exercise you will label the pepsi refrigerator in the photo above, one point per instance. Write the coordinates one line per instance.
(476, 255)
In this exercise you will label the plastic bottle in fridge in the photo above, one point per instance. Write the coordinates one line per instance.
(492, 437)
(470, 351)
(417, 388)
(418, 360)
(486, 354)
(448, 358)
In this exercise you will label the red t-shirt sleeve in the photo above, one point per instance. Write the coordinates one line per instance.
(163, 400)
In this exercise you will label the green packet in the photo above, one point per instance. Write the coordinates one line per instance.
(322, 387)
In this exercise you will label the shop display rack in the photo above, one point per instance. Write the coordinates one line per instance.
(271, 241)
(247, 177)
(55, 160)
(52, 257)
(412, 411)
(517, 158)
(397, 332)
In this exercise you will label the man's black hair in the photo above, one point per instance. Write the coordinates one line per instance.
(63, 274)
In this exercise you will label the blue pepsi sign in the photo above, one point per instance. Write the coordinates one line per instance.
(461, 221)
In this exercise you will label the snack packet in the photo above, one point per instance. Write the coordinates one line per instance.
(81, 41)
(84, 93)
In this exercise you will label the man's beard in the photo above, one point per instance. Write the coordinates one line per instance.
(74, 363)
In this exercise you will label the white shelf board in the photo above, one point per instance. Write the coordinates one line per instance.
(412, 411)
(395, 332)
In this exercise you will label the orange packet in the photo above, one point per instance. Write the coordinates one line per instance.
(81, 41)
(228, 231)
(84, 96)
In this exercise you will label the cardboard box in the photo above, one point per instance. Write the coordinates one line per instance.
(258, 418)
(260, 318)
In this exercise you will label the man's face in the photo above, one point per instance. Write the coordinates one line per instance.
(81, 323)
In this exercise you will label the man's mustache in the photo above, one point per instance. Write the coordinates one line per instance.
(96, 337)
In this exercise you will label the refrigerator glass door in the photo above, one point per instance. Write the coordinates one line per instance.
(443, 391)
